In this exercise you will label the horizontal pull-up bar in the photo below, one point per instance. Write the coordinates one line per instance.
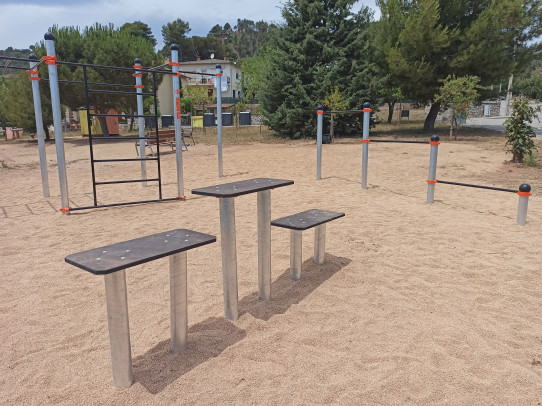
(122, 115)
(478, 186)
(119, 92)
(114, 182)
(123, 204)
(121, 138)
(401, 141)
(80, 82)
(343, 111)
(125, 160)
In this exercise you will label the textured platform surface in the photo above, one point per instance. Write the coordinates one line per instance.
(112, 258)
(307, 219)
(243, 187)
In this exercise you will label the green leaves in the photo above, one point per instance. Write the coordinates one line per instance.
(520, 133)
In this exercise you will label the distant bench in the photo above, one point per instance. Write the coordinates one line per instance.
(303, 221)
(167, 137)
(112, 260)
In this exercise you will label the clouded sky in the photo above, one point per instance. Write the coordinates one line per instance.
(23, 22)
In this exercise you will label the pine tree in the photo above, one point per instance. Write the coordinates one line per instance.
(321, 45)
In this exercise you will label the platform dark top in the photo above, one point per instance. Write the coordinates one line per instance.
(242, 187)
(112, 258)
(307, 219)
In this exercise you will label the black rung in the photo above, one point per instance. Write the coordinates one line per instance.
(126, 160)
(122, 138)
(80, 82)
(120, 115)
(499, 189)
(127, 181)
(401, 142)
(119, 92)
(124, 204)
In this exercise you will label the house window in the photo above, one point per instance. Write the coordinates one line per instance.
(234, 94)
(210, 92)
(236, 75)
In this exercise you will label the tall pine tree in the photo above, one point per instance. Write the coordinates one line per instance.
(323, 44)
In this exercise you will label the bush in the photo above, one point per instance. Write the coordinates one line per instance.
(520, 133)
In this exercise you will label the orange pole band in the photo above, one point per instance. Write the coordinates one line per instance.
(320, 112)
(218, 74)
(49, 60)
(183, 198)
(138, 86)
(34, 78)
(137, 75)
(173, 63)
(33, 72)
(366, 140)
(65, 210)
(138, 66)
(431, 181)
(526, 194)
(176, 74)
(367, 110)
(434, 143)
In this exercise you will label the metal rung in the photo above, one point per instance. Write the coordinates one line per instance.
(126, 160)
(122, 138)
(126, 181)
(119, 92)
(120, 115)
(124, 204)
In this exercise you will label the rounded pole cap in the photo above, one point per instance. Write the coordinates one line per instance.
(174, 47)
(320, 107)
(49, 36)
(218, 66)
(32, 56)
(435, 137)
(524, 187)
(366, 105)
(137, 61)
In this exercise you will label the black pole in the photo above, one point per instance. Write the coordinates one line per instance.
(89, 124)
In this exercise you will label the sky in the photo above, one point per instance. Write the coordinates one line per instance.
(24, 22)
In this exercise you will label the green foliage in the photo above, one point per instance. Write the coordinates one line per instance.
(174, 32)
(530, 83)
(202, 47)
(253, 71)
(199, 96)
(520, 133)
(458, 94)
(321, 45)
(187, 106)
(139, 29)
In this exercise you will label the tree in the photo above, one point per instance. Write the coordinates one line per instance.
(334, 101)
(253, 71)
(215, 31)
(139, 29)
(321, 45)
(174, 32)
(485, 38)
(520, 133)
(199, 96)
(458, 94)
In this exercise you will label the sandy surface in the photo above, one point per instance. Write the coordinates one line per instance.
(416, 304)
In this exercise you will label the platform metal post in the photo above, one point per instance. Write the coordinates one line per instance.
(34, 77)
(264, 245)
(140, 120)
(432, 178)
(524, 193)
(177, 118)
(178, 292)
(218, 82)
(119, 328)
(319, 244)
(57, 121)
(296, 254)
(319, 134)
(365, 153)
(229, 257)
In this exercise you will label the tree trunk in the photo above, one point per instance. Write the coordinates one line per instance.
(429, 124)
(131, 123)
(451, 128)
(391, 106)
(332, 128)
(46, 130)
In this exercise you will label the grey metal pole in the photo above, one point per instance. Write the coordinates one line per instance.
(218, 82)
(50, 60)
(296, 254)
(319, 131)
(432, 178)
(39, 126)
(178, 293)
(365, 154)
(119, 328)
(140, 120)
(229, 257)
(177, 118)
(524, 193)
(264, 244)
(319, 244)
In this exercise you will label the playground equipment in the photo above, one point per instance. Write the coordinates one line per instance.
(52, 62)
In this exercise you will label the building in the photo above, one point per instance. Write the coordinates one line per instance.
(230, 71)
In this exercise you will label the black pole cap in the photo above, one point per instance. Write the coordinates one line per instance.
(137, 61)
(32, 56)
(49, 36)
(320, 107)
(435, 137)
(366, 105)
(219, 66)
(525, 187)
(174, 47)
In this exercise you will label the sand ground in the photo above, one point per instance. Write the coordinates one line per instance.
(416, 304)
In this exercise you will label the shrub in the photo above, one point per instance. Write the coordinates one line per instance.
(520, 133)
